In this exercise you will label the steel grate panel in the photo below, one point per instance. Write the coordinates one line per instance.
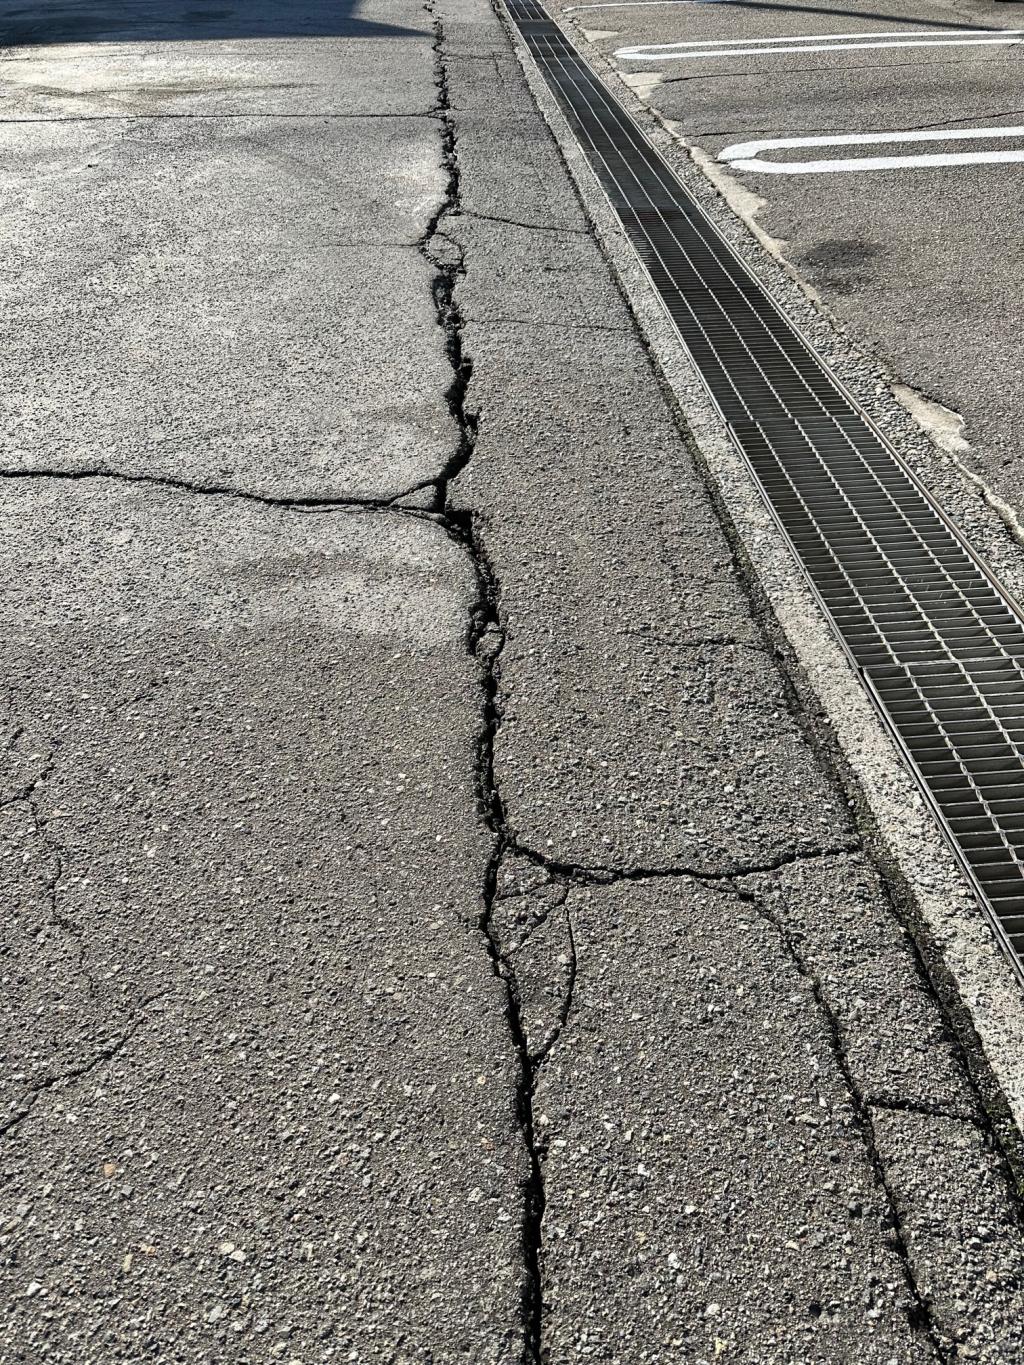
(936, 640)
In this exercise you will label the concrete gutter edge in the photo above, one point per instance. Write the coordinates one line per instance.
(976, 984)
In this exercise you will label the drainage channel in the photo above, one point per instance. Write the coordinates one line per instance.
(937, 642)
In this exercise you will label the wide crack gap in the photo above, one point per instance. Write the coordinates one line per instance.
(484, 642)
(805, 707)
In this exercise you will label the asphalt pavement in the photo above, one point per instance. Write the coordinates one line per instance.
(922, 264)
(435, 929)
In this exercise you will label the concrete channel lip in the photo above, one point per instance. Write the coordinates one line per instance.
(982, 981)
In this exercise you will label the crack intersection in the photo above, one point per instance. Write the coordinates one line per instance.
(919, 1306)
(484, 642)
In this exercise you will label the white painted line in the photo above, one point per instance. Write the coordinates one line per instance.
(835, 37)
(745, 156)
(839, 42)
(643, 4)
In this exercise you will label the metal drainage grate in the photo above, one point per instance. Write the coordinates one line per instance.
(937, 641)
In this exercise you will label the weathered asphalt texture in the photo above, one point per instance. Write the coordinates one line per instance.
(924, 265)
(432, 932)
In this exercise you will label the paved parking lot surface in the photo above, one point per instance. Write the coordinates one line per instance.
(433, 931)
(922, 262)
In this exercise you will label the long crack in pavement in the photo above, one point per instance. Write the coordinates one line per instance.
(532, 1040)
(602, 933)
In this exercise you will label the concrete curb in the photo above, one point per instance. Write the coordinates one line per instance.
(976, 984)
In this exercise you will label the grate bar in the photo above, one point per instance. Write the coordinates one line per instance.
(936, 640)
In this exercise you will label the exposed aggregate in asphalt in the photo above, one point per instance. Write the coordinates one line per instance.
(437, 936)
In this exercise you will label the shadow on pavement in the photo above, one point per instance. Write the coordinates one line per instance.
(912, 21)
(89, 21)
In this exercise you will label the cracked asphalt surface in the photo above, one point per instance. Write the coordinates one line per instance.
(435, 931)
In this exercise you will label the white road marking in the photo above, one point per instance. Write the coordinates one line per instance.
(744, 156)
(834, 37)
(817, 42)
(643, 4)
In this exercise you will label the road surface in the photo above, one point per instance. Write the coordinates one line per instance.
(435, 930)
(920, 262)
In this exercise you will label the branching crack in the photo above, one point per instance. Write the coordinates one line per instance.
(484, 642)
(535, 919)
(919, 1308)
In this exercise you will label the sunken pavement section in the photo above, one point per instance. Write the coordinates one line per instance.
(431, 930)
